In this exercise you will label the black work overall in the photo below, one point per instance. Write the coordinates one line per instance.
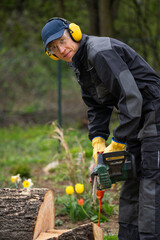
(112, 74)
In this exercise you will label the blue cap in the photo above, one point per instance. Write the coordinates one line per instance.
(53, 30)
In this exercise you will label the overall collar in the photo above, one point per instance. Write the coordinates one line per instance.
(80, 53)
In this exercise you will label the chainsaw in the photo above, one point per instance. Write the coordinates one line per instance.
(112, 167)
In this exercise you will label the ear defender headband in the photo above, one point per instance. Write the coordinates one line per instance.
(74, 31)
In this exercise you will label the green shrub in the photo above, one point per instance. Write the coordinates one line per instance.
(24, 170)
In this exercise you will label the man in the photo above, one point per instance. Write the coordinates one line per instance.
(112, 74)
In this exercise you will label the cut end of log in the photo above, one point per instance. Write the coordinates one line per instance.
(45, 218)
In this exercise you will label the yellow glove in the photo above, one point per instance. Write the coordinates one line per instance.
(113, 147)
(98, 145)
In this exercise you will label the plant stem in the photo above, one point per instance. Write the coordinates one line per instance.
(16, 184)
(84, 211)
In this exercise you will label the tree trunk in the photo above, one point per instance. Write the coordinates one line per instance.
(28, 214)
(105, 18)
(25, 213)
(108, 11)
(61, 8)
(93, 16)
(86, 232)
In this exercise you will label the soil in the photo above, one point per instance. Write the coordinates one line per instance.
(109, 228)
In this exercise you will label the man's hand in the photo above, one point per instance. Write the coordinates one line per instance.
(98, 144)
(113, 147)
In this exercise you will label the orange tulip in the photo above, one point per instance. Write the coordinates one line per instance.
(81, 201)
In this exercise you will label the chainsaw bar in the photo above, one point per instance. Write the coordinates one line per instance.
(94, 193)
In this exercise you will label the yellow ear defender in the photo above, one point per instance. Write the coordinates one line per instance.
(74, 30)
(52, 56)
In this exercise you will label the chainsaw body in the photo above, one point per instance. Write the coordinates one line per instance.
(113, 167)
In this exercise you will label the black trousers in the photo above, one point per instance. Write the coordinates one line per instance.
(139, 206)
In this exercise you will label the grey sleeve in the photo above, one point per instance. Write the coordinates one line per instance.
(118, 79)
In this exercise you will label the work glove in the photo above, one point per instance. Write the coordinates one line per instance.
(98, 144)
(113, 147)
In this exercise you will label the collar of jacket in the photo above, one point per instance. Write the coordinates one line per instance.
(80, 53)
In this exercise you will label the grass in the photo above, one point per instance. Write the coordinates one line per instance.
(29, 146)
(35, 146)
(110, 238)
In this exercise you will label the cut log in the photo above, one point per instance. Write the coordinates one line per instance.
(84, 232)
(25, 213)
(29, 214)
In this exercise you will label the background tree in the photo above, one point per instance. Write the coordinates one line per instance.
(108, 10)
(29, 79)
(92, 6)
(148, 33)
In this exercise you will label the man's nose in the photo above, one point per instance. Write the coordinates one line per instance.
(61, 48)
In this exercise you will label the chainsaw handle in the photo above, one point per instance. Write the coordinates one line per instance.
(102, 156)
(121, 157)
(115, 154)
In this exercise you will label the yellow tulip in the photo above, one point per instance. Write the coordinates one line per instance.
(69, 190)
(79, 188)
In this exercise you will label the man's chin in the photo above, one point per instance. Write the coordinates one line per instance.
(69, 59)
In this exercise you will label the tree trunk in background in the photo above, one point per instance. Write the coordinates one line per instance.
(61, 8)
(108, 10)
(105, 18)
(93, 15)
(149, 39)
(156, 59)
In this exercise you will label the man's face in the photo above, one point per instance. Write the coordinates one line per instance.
(64, 47)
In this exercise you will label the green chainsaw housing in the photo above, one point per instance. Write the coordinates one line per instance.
(113, 167)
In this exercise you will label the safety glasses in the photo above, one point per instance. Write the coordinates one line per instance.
(54, 46)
